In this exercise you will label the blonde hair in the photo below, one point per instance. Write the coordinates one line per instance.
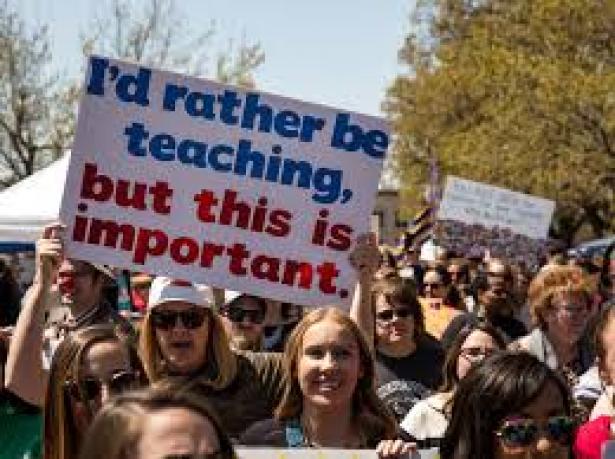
(61, 436)
(224, 360)
(370, 414)
(117, 428)
(552, 281)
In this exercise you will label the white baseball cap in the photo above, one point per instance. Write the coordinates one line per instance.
(165, 289)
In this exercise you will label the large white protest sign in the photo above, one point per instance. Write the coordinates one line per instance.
(311, 453)
(478, 203)
(220, 185)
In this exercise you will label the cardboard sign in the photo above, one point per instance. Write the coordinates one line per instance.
(219, 185)
(312, 453)
(477, 203)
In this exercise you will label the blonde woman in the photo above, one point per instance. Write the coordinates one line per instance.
(183, 342)
(330, 400)
(88, 367)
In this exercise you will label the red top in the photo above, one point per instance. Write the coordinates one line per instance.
(591, 436)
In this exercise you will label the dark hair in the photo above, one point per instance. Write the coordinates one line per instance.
(452, 355)
(117, 428)
(605, 280)
(398, 291)
(503, 384)
(605, 316)
(261, 303)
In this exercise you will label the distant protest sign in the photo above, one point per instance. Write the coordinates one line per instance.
(220, 185)
(475, 217)
(323, 453)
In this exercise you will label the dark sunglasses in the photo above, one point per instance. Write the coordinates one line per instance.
(91, 388)
(387, 314)
(523, 433)
(234, 314)
(190, 318)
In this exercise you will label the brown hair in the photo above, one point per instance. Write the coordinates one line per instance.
(370, 414)
(449, 370)
(605, 317)
(398, 291)
(61, 436)
(223, 359)
(115, 432)
(551, 281)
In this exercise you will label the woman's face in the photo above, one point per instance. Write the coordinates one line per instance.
(568, 316)
(182, 330)
(394, 323)
(328, 366)
(543, 415)
(474, 349)
(434, 287)
(607, 367)
(105, 371)
(177, 432)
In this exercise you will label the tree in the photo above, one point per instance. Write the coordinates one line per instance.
(157, 37)
(515, 93)
(33, 105)
(37, 110)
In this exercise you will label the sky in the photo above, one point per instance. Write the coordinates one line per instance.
(341, 53)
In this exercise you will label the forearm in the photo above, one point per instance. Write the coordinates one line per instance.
(361, 310)
(24, 375)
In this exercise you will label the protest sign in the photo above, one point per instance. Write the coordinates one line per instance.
(219, 185)
(326, 453)
(477, 218)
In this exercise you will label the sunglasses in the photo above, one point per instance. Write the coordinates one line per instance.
(255, 316)
(91, 388)
(476, 354)
(522, 433)
(190, 318)
(388, 314)
(432, 284)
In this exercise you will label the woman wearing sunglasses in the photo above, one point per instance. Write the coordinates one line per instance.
(512, 406)
(89, 366)
(243, 317)
(428, 419)
(158, 423)
(183, 342)
(330, 400)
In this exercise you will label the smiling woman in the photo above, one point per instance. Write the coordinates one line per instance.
(330, 399)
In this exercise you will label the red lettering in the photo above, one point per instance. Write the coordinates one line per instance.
(230, 207)
(136, 201)
(279, 223)
(328, 272)
(210, 251)
(187, 245)
(264, 267)
(292, 268)
(340, 237)
(94, 186)
(238, 253)
(144, 247)
(162, 196)
(206, 199)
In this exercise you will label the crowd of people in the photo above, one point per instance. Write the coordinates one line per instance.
(480, 358)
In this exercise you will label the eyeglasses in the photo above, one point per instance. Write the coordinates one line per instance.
(255, 316)
(190, 318)
(522, 433)
(91, 388)
(388, 314)
(476, 354)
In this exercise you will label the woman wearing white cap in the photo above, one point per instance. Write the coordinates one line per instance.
(183, 342)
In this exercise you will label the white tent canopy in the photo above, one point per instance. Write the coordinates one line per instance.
(29, 205)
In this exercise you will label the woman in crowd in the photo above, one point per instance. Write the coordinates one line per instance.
(330, 400)
(560, 305)
(157, 423)
(408, 360)
(88, 367)
(592, 435)
(427, 420)
(183, 341)
(441, 302)
(511, 406)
